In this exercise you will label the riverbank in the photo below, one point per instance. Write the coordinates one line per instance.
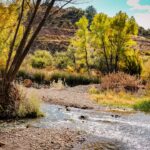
(77, 129)
(73, 121)
(77, 97)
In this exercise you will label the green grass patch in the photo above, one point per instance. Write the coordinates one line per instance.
(121, 99)
(143, 106)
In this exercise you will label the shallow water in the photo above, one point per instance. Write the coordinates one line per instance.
(131, 129)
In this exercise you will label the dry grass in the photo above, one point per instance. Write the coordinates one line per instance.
(29, 106)
(58, 85)
(120, 99)
(120, 81)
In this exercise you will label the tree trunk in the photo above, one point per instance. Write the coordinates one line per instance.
(105, 55)
(116, 62)
(9, 101)
(87, 63)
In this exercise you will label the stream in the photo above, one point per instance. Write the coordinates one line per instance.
(131, 129)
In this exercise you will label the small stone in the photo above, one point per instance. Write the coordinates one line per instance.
(115, 116)
(2, 144)
(67, 109)
(27, 83)
(83, 117)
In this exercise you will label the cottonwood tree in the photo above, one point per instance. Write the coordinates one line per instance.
(9, 96)
(100, 31)
(112, 38)
(80, 45)
(123, 30)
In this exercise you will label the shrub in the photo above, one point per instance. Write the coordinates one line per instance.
(23, 74)
(133, 64)
(143, 106)
(38, 77)
(41, 59)
(120, 81)
(61, 60)
(146, 71)
(73, 79)
(29, 107)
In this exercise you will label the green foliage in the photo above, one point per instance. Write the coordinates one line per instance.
(146, 71)
(80, 45)
(41, 59)
(71, 79)
(61, 60)
(90, 12)
(38, 77)
(104, 46)
(100, 30)
(143, 106)
(133, 63)
(23, 74)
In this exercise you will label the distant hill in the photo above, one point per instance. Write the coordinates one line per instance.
(56, 34)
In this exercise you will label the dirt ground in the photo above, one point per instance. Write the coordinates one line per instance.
(53, 139)
(72, 96)
(38, 139)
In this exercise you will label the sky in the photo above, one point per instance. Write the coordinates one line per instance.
(140, 9)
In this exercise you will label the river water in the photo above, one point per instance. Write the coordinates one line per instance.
(131, 129)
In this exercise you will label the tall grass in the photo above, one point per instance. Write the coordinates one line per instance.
(29, 107)
(73, 79)
(44, 77)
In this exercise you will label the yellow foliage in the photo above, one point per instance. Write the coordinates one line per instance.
(8, 21)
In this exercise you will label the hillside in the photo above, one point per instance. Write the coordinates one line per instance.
(142, 43)
(55, 34)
